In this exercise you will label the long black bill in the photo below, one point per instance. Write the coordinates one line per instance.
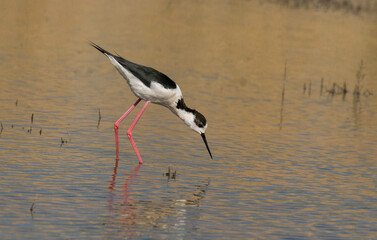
(205, 141)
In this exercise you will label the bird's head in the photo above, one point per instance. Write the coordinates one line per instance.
(200, 126)
(194, 119)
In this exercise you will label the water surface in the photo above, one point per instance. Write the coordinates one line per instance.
(304, 169)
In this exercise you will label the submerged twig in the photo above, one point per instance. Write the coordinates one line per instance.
(283, 95)
(360, 75)
(32, 209)
(304, 89)
(29, 130)
(170, 174)
(344, 90)
(99, 117)
(62, 141)
(309, 88)
(65, 140)
(321, 90)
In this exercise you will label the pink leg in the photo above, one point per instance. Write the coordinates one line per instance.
(129, 131)
(116, 125)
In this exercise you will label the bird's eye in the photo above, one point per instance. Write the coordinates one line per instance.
(200, 120)
(199, 123)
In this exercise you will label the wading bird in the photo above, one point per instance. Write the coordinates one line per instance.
(153, 86)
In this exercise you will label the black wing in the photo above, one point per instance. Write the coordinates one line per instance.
(145, 74)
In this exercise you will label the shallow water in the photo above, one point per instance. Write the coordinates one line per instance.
(304, 169)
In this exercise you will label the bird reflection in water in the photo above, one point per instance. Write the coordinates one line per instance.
(123, 215)
(173, 212)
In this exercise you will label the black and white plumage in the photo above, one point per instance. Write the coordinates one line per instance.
(153, 86)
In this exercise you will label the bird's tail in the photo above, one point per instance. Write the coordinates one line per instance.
(100, 49)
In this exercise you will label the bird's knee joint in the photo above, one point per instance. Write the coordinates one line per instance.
(129, 134)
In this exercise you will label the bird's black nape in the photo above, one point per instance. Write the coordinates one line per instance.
(205, 141)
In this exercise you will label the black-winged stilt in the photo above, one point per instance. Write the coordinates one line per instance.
(153, 86)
